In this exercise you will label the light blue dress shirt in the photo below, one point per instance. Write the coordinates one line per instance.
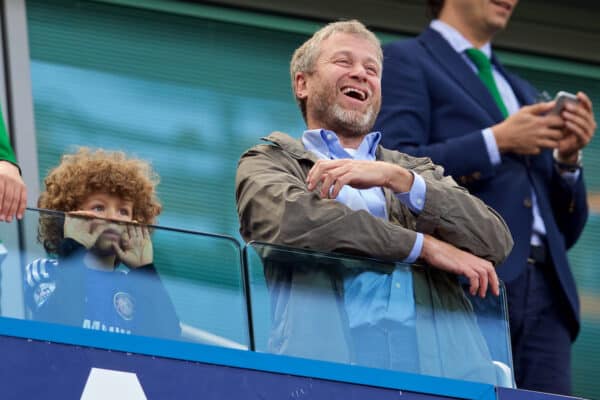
(370, 296)
(459, 43)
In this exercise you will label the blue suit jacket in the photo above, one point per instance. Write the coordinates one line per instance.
(434, 105)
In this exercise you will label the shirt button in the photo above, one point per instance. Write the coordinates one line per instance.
(527, 202)
(397, 285)
(419, 201)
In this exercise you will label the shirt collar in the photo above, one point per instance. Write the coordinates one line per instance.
(456, 40)
(325, 144)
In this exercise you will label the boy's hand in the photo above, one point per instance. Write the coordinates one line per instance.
(82, 227)
(135, 248)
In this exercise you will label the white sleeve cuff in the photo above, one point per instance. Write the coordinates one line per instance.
(414, 199)
(491, 146)
(416, 250)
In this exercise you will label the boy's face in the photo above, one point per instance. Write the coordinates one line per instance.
(112, 207)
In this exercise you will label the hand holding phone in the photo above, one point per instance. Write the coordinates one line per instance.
(561, 99)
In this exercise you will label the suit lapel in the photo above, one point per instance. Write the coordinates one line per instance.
(458, 70)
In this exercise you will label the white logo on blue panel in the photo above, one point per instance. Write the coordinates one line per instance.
(124, 305)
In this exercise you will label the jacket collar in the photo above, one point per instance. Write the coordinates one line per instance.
(296, 149)
(290, 145)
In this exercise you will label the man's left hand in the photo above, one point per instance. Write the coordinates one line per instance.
(360, 174)
(447, 257)
(580, 126)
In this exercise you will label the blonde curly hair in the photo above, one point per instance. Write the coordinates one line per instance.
(86, 172)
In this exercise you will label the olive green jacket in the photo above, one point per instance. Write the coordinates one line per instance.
(275, 206)
(308, 317)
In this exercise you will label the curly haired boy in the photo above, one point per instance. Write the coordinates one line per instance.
(102, 275)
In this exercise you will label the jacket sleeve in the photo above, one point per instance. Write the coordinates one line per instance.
(411, 98)
(569, 206)
(6, 151)
(274, 206)
(453, 215)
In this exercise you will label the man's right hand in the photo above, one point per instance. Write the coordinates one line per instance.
(444, 256)
(82, 227)
(360, 174)
(530, 130)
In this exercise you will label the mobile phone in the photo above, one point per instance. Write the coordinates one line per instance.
(561, 99)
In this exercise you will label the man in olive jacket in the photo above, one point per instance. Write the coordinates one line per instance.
(337, 190)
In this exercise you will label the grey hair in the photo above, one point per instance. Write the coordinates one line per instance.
(306, 55)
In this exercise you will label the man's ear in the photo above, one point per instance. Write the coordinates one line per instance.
(301, 85)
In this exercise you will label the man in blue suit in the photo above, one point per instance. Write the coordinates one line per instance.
(481, 124)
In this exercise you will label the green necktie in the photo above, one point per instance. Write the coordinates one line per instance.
(484, 68)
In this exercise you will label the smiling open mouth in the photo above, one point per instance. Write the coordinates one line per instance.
(355, 93)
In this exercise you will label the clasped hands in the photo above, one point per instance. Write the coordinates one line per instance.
(333, 175)
(533, 128)
(132, 244)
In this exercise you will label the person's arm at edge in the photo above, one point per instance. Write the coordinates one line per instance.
(13, 194)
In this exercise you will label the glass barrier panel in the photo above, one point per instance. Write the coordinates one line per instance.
(371, 313)
(127, 278)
